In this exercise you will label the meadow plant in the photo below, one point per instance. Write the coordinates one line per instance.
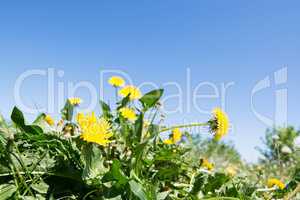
(120, 154)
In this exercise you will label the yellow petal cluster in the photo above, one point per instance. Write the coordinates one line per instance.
(168, 141)
(128, 113)
(49, 120)
(94, 129)
(220, 123)
(174, 137)
(206, 164)
(116, 81)
(231, 171)
(75, 101)
(133, 92)
(275, 182)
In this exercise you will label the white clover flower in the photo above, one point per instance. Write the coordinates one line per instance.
(286, 150)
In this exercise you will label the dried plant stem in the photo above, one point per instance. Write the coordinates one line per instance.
(294, 193)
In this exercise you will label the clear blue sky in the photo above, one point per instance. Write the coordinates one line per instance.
(220, 41)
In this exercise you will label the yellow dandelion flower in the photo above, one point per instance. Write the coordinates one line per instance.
(49, 120)
(275, 182)
(75, 101)
(116, 81)
(132, 91)
(206, 164)
(128, 113)
(168, 141)
(176, 135)
(219, 125)
(79, 117)
(93, 129)
(231, 171)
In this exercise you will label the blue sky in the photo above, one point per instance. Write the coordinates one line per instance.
(219, 41)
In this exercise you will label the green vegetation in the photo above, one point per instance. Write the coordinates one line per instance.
(120, 155)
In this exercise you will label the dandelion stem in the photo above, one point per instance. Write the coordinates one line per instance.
(266, 190)
(116, 94)
(183, 126)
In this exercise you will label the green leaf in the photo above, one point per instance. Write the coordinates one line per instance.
(106, 111)
(68, 111)
(163, 195)
(18, 118)
(117, 179)
(150, 99)
(123, 102)
(3, 142)
(115, 174)
(7, 190)
(170, 172)
(139, 127)
(93, 162)
(215, 182)
(138, 153)
(137, 190)
(39, 118)
(34, 129)
(297, 175)
(198, 184)
(40, 187)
